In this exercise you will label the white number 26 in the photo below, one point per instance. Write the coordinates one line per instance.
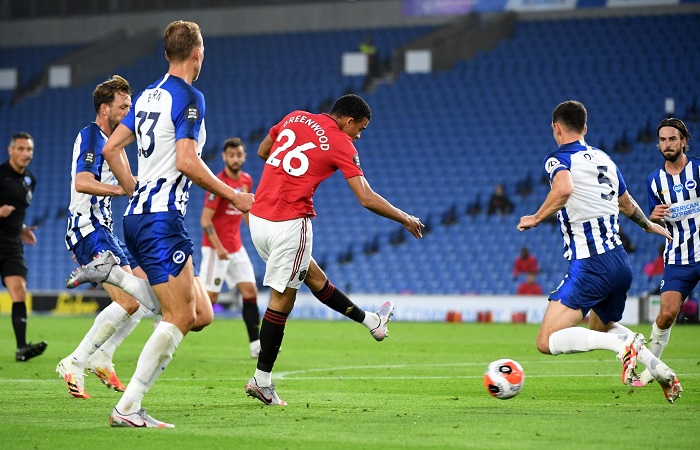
(297, 153)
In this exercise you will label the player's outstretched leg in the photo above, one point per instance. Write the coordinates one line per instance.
(96, 271)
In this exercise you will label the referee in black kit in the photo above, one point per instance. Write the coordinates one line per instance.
(16, 189)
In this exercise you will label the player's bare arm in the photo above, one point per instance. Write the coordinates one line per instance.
(86, 183)
(208, 227)
(380, 206)
(630, 208)
(114, 154)
(265, 147)
(189, 163)
(562, 188)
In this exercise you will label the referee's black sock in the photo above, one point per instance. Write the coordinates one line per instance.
(19, 323)
(271, 335)
(336, 300)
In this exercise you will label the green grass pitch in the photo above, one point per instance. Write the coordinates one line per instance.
(419, 389)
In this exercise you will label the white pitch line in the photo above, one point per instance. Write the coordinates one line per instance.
(342, 377)
(301, 374)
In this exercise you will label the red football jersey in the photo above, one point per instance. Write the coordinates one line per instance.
(227, 219)
(307, 149)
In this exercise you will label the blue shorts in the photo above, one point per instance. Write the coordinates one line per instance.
(680, 278)
(100, 240)
(159, 244)
(599, 283)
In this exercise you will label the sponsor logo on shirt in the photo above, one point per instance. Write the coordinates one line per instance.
(683, 210)
(677, 187)
(90, 156)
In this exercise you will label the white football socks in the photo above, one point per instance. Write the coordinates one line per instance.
(106, 324)
(155, 357)
(578, 339)
(106, 351)
(371, 320)
(262, 379)
(136, 287)
(620, 329)
(653, 364)
(658, 340)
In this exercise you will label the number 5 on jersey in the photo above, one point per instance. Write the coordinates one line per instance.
(297, 153)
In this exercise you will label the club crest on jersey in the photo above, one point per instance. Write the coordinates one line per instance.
(356, 160)
(302, 275)
(551, 164)
(192, 113)
(677, 187)
(691, 185)
(90, 157)
(179, 257)
(217, 281)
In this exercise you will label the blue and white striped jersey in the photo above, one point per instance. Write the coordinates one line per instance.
(589, 220)
(168, 110)
(680, 192)
(87, 212)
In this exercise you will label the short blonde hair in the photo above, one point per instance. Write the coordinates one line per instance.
(180, 38)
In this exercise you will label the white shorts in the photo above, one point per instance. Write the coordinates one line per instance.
(286, 249)
(214, 271)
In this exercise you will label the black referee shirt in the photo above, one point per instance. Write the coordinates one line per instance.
(16, 189)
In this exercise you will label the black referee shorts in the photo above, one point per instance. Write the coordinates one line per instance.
(12, 263)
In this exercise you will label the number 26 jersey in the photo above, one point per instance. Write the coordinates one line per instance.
(307, 148)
